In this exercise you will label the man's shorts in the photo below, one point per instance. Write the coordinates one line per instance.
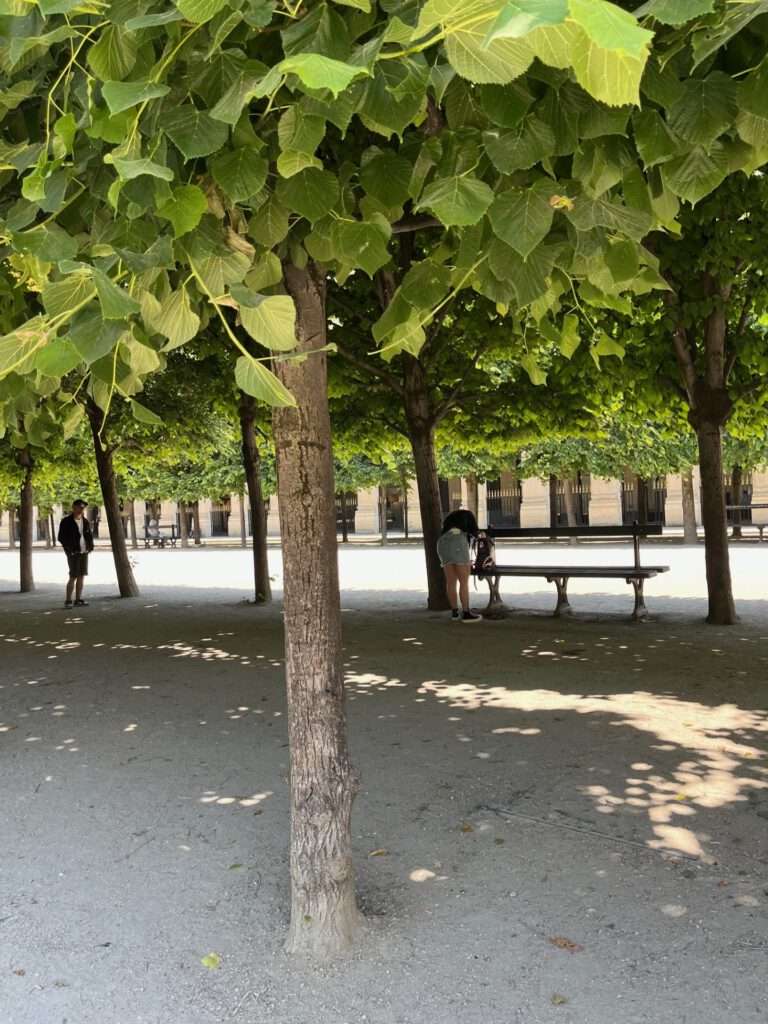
(78, 564)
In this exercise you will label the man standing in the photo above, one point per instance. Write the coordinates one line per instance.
(76, 538)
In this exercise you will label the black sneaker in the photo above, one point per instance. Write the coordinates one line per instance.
(80, 603)
(455, 617)
(67, 604)
(471, 617)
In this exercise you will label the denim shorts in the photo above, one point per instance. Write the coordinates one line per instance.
(453, 548)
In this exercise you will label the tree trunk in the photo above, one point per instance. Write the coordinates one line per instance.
(196, 522)
(421, 431)
(569, 500)
(737, 487)
(12, 526)
(722, 611)
(52, 528)
(343, 506)
(324, 914)
(184, 524)
(132, 523)
(262, 588)
(26, 539)
(46, 524)
(690, 533)
(383, 514)
(472, 494)
(106, 470)
(404, 485)
(243, 528)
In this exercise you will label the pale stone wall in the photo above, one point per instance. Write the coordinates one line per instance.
(604, 502)
(367, 516)
(534, 509)
(760, 497)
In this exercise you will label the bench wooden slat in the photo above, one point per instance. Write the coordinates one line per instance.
(554, 532)
(594, 572)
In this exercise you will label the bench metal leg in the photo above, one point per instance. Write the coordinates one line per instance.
(563, 606)
(640, 611)
(495, 609)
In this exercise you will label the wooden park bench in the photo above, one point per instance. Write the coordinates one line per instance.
(739, 521)
(560, 574)
(160, 535)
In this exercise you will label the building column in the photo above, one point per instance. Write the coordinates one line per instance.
(534, 508)
(482, 503)
(760, 497)
(673, 505)
(604, 502)
(697, 493)
(273, 516)
(367, 516)
(414, 509)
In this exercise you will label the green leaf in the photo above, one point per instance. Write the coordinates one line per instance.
(675, 12)
(57, 358)
(610, 28)
(655, 142)
(457, 201)
(569, 339)
(72, 421)
(606, 346)
(113, 55)
(537, 376)
(128, 169)
(269, 319)
(48, 242)
(710, 39)
(705, 108)
(386, 177)
(176, 320)
(142, 359)
(122, 95)
(152, 20)
(144, 415)
(18, 346)
(622, 259)
(211, 960)
(522, 147)
(184, 209)
(240, 173)
(66, 295)
(266, 272)
(498, 61)
(115, 302)
(523, 217)
(319, 72)
(255, 379)
(695, 175)
(518, 19)
(588, 213)
(64, 130)
(92, 337)
(269, 225)
(362, 243)
(194, 132)
(200, 11)
(311, 193)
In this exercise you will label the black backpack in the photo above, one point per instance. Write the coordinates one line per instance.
(485, 555)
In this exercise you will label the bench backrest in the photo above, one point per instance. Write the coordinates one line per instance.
(633, 533)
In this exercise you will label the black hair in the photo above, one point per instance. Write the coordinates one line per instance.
(461, 519)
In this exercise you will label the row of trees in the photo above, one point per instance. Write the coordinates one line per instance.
(490, 194)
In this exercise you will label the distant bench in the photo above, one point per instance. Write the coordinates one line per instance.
(160, 535)
(489, 570)
(739, 524)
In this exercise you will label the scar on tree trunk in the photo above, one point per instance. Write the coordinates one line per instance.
(324, 915)
(26, 539)
(105, 467)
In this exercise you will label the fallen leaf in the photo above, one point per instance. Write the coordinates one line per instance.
(499, 842)
(682, 796)
(212, 961)
(558, 1000)
(722, 883)
(378, 853)
(20, 972)
(466, 827)
(567, 944)
(235, 867)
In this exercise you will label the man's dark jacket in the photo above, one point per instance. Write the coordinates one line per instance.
(69, 535)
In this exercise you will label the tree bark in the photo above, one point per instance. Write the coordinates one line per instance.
(184, 524)
(404, 485)
(12, 526)
(195, 506)
(106, 471)
(737, 486)
(26, 539)
(690, 532)
(52, 528)
(569, 500)
(262, 588)
(243, 528)
(722, 610)
(132, 523)
(383, 514)
(324, 914)
(421, 432)
(472, 494)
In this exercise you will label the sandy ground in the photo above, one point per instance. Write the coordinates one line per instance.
(570, 817)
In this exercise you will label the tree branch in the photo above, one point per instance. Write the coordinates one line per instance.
(459, 390)
(374, 371)
(416, 222)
